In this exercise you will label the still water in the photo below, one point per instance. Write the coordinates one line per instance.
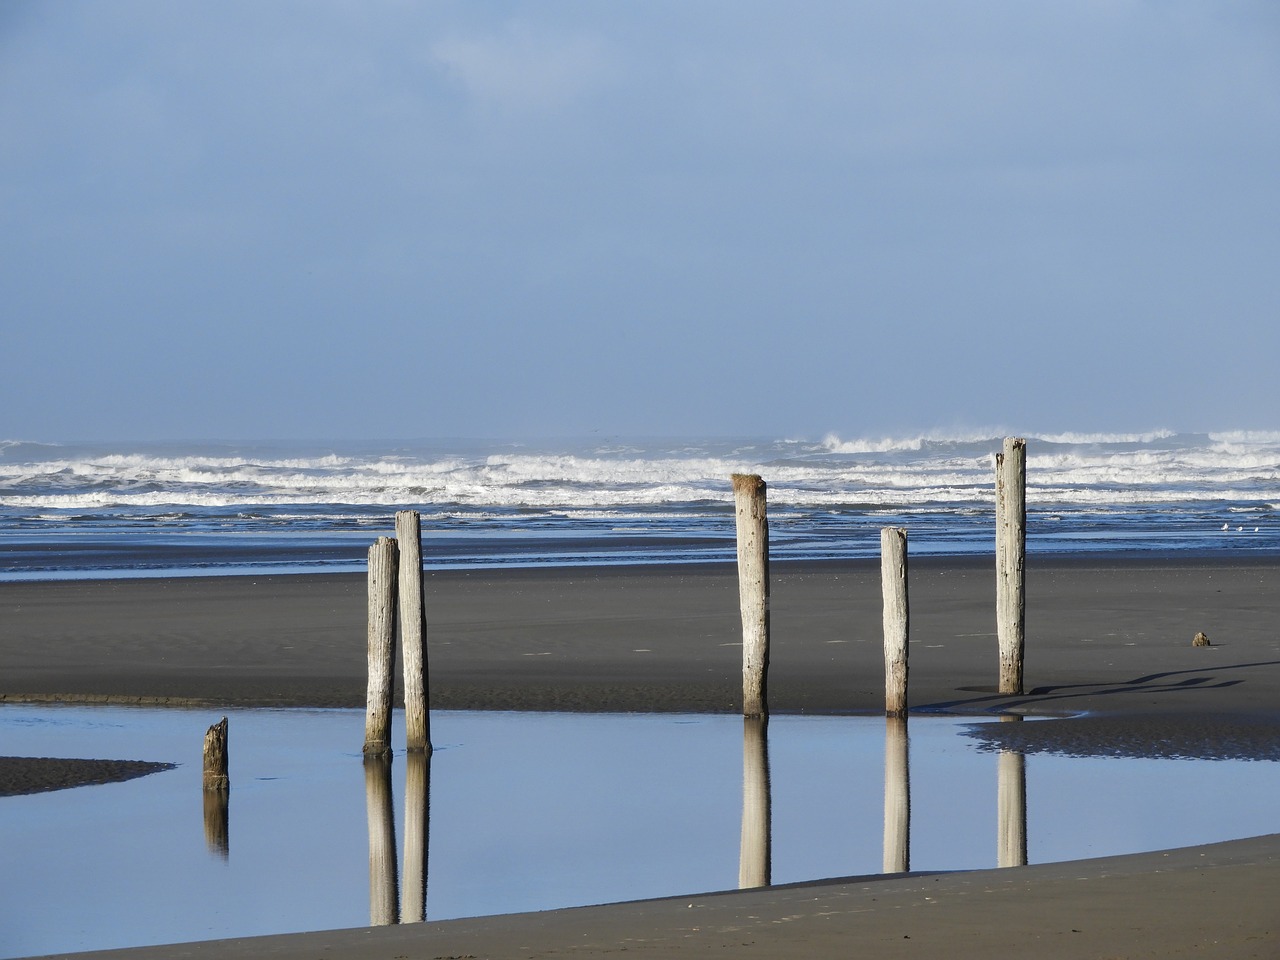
(518, 812)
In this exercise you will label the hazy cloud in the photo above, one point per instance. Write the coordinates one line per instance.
(524, 67)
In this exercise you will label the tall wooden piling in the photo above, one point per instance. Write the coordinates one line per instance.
(893, 586)
(749, 494)
(383, 563)
(1011, 553)
(413, 631)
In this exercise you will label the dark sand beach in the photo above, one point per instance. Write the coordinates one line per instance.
(1108, 636)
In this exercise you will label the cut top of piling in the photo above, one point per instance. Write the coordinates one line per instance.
(749, 484)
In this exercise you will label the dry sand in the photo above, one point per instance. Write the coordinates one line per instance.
(1109, 636)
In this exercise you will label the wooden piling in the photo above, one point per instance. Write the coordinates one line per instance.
(413, 631)
(215, 757)
(1011, 552)
(893, 586)
(749, 493)
(383, 563)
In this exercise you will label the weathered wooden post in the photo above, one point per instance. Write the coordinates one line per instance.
(1011, 553)
(749, 494)
(217, 790)
(897, 796)
(1011, 807)
(755, 851)
(893, 586)
(382, 647)
(413, 631)
(380, 809)
(215, 757)
(417, 826)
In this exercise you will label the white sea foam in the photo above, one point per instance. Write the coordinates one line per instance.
(827, 498)
(833, 444)
(1247, 437)
(1075, 467)
(1107, 438)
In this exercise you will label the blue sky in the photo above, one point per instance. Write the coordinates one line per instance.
(341, 220)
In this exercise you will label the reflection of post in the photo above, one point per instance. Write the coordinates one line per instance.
(417, 827)
(217, 822)
(749, 493)
(893, 588)
(1011, 802)
(383, 558)
(755, 852)
(413, 630)
(897, 796)
(217, 790)
(1011, 552)
(382, 841)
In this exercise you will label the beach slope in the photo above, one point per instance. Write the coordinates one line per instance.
(1215, 901)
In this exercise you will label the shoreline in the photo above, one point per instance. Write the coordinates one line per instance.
(1107, 638)
(149, 562)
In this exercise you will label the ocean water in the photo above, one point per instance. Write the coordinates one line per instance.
(139, 509)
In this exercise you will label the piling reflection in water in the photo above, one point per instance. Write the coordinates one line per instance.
(1011, 802)
(756, 849)
(389, 900)
(383, 895)
(897, 796)
(417, 824)
(217, 822)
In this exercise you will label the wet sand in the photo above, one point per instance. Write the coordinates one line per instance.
(24, 775)
(1109, 636)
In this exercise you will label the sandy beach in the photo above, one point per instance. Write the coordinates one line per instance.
(1110, 636)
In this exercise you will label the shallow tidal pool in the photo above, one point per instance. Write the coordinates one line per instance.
(518, 811)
